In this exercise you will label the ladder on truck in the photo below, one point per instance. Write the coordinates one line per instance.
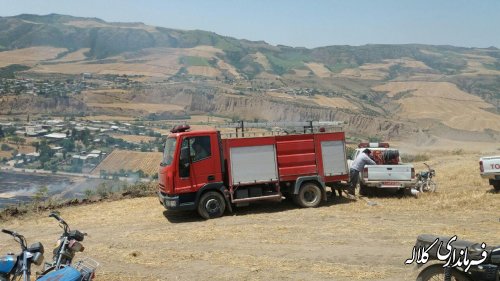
(281, 128)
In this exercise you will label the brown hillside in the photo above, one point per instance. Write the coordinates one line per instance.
(130, 160)
(443, 102)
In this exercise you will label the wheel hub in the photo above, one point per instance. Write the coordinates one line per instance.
(310, 196)
(212, 205)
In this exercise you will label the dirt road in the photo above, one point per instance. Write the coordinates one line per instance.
(136, 239)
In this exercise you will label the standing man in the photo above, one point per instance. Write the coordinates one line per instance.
(356, 167)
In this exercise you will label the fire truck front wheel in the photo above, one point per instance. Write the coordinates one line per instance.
(211, 205)
(309, 195)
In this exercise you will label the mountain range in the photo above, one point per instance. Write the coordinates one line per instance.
(424, 92)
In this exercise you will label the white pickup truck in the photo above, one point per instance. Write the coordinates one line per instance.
(389, 173)
(490, 169)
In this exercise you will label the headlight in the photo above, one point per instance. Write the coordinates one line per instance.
(37, 258)
(76, 246)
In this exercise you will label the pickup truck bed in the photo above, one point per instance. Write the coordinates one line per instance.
(388, 176)
(389, 173)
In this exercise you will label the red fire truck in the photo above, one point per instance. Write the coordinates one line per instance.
(201, 171)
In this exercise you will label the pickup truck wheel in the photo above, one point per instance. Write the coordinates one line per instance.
(365, 190)
(211, 205)
(496, 185)
(309, 196)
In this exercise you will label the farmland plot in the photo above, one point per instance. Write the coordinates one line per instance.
(130, 160)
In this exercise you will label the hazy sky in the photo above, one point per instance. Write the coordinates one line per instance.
(299, 23)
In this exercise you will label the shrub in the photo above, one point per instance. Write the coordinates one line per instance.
(102, 191)
(139, 190)
(419, 157)
(6, 147)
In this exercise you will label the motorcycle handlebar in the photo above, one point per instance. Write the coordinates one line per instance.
(56, 216)
(59, 219)
(10, 232)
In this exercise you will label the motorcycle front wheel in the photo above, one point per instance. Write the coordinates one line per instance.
(436, 273)
(430, 186)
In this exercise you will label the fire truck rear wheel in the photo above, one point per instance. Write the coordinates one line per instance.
(211, 205)
(309, 195)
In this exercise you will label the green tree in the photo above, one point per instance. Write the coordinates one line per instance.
(85, 136)
(102, 190)
(36, 145)
(9, 131)
(45, 153)
(17, 140)
(88, 193)
(76, 166)
(68, 145)
(54, 168)
(5, 147)
(2, 135)
(40, 195)
(141, 173)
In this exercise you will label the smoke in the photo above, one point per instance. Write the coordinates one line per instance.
(20, 187)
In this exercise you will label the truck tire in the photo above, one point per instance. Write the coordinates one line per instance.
(309, 195)
(365, 190)
(496, 185)
(211, 205)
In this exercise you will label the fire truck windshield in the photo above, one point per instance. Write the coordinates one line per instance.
(168, 152)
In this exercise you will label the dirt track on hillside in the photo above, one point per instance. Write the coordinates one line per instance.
(136, 239)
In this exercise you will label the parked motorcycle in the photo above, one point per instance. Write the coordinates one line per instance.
(62, 267)
(13, 267)
(424, 180)
(455, 260)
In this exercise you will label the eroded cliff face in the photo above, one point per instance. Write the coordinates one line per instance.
(25, 104)
(261, 107)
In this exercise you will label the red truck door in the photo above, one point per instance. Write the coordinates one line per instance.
(198, 163)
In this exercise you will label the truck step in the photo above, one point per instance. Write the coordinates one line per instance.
(276, 196)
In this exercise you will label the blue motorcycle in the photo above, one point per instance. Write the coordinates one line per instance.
(12, 266)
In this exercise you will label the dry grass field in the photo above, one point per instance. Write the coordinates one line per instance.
(261, 59)
(130, 160)
(152, 62)
(379, 71)
(334, 102)
(317, 99)
(78, 55)
(229, 68)
(136, 239)
(203, 71)
(133, 138)
(147, 107)
(319, 69)
(29, 56)
(442, 101)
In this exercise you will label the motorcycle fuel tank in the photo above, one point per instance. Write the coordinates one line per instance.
(67, 274)
(7, 263)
